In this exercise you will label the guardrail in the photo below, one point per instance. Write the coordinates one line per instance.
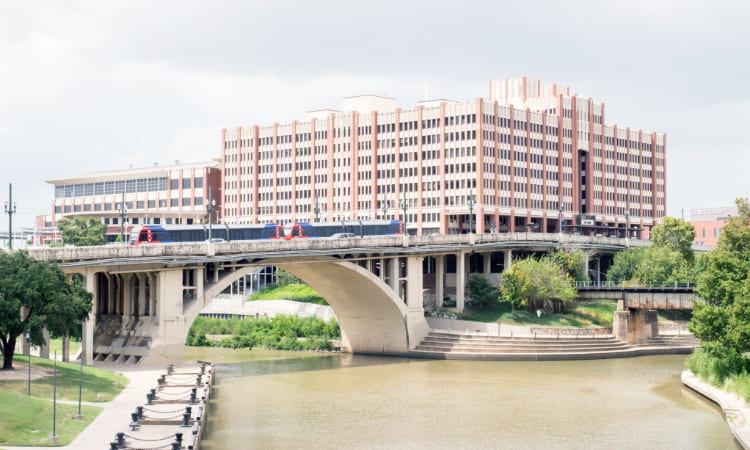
(626, 285)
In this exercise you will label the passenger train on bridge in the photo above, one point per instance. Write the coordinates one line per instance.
(154, 234)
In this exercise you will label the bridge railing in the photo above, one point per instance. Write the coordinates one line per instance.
(629, 285)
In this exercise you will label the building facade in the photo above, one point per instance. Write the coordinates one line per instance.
(709, 223)
(529, 157)
(176, 194)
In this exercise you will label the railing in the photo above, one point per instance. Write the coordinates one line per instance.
(627, 285)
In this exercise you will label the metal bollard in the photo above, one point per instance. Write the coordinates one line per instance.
(150, 395)
(186, 417)
(176, 445)
(120, 440)
(139, 410)
(133, 420)
(160, 380)
(113, 446)
(203, 369)
(193, 395)
(178, 438)
(197, 380)
(170, 368)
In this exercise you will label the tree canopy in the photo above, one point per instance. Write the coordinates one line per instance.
(722, 322)
(481, 290)
(676, 235)
(35, 295)
(537, 282)
(82, 231)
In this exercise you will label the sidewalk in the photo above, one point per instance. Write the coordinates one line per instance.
(116, 414)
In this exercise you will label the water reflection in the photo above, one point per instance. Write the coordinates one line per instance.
(307, 400)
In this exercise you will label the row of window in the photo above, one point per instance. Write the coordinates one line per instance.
(138, 205)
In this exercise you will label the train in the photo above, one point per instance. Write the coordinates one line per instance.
(154, 234)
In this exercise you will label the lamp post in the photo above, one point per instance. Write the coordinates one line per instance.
(385, 209)
(559, 222)
(210, 209)
(53, 438)
(471, 213)
(627, 228)
(403, 206)
(10, 209)
(316, 209)
(122, 218)
(79, 416)
(28, 343)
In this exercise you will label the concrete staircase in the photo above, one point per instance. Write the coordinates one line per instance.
(450, 345)
(675, 340)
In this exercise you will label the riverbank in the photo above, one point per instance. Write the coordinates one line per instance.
(736, 411)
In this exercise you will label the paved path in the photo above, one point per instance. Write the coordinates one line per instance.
(116, 414)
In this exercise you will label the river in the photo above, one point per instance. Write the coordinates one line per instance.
(272, 399)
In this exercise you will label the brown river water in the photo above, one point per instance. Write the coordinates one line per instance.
(272, 399)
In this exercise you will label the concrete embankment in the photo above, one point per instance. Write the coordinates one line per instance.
(736, 411)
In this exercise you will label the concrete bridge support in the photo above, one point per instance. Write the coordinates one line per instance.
(635, 326)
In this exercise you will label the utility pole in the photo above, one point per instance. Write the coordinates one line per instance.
(10, 209)
(122, 218)
(210, 209)
(404, 204)
(316, 209)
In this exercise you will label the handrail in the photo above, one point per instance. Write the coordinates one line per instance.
(622, 285)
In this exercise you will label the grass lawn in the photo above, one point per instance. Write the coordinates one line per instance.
(95, 381)
(55, 345)
(296, 292)
(27, 421)
(588, 315)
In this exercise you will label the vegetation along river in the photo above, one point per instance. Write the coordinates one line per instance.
(273, 399)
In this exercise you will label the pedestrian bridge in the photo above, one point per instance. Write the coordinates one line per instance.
(146, 297)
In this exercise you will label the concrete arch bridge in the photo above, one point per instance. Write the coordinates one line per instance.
(146, 297)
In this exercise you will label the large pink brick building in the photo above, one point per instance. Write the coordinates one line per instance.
(524, 158)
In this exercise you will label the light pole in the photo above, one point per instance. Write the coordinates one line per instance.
(28, 343)
(471, 213)
(385, 209)
(79, 416)
(316, 209)
(210, 209)
(559, 222)
(122, 218)
(10, 209)
(403, 206)
(53, 438)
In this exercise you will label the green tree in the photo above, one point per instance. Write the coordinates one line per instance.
(481, 290)
(284, 278)
(722, 322)
(625, 265)
(82, 231)
(574, 263)
(676, 235)
(662, 266)
(34, 295)
(542, 283)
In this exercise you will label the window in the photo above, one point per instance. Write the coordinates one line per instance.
(199, 182)
(186, 183)
(175, 202)
(174, 184)
(186, 201)
(151, 204)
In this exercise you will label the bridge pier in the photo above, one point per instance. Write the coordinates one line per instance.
(635, 326)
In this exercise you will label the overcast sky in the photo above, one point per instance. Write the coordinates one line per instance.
(95, 86)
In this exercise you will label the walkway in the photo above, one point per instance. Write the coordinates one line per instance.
(115, 416)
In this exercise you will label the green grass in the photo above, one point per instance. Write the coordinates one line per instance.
(589, 315)
(725, 374)
(95, 381)
(27, 421)
(55, 345)
(296, 292)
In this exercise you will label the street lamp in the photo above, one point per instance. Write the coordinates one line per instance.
(403, 206)
(210, 209)
(28, 344)
(122, 218)
(627, 225)
(471, 213)
(385, 209)
(10, 209)
(559, 222)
